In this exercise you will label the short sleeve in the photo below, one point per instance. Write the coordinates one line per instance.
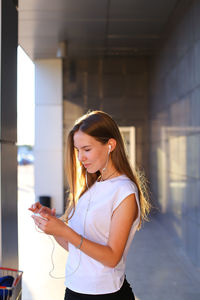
(123, 191)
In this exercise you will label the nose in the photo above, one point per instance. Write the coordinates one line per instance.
(81, 156)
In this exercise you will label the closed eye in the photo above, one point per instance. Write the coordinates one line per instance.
(84, 148)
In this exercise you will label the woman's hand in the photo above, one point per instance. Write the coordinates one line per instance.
(51, 225)
(38, 208)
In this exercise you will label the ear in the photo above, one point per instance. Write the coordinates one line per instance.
(112, 142)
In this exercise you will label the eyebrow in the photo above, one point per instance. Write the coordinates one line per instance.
(83, 147)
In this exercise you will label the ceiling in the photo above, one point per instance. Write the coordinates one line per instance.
(92, 27)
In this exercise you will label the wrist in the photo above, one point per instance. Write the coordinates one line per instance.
(73, 237)
(81, 242)
(62, 230)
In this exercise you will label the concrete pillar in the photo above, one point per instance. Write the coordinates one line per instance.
(49, 131)
(8, 135)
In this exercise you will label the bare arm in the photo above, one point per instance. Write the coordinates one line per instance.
(122, 220)
(110, 254)
(62, 242)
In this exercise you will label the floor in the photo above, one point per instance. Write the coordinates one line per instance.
(156, 268)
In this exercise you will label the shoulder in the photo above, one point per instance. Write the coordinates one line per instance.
(123, 187)
(124, 183)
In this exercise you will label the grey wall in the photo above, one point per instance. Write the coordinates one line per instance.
(8, 136)
(116, 85)
(175, 128)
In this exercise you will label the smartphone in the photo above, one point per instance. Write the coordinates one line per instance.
(38, 215)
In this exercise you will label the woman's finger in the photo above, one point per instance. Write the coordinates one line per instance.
(35, 207)
(45, 210)
(53, 211)
(40, 220)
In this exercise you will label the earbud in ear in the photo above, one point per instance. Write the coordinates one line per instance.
(109, 148)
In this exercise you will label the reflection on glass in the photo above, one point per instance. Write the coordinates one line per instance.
(178, 174)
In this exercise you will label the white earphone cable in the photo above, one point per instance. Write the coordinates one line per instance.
(84, 224)
(84, 230)
(52, 253)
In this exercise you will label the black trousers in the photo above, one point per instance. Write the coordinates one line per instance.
(125, 293)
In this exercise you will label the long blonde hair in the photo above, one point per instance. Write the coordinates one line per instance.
(102, 127)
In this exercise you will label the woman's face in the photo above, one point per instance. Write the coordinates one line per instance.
(91, 153)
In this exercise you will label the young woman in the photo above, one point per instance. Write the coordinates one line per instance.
(107, 205)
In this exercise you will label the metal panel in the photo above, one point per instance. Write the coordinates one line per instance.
(9, 235)
(8, 72)
(8, 136)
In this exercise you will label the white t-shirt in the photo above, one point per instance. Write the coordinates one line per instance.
(92, 219)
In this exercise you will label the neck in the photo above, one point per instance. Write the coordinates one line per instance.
(108, 172)
(113, 174)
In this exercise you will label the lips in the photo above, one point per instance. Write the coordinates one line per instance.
(86, 165)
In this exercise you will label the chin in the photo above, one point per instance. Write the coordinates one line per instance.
(91, 170)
